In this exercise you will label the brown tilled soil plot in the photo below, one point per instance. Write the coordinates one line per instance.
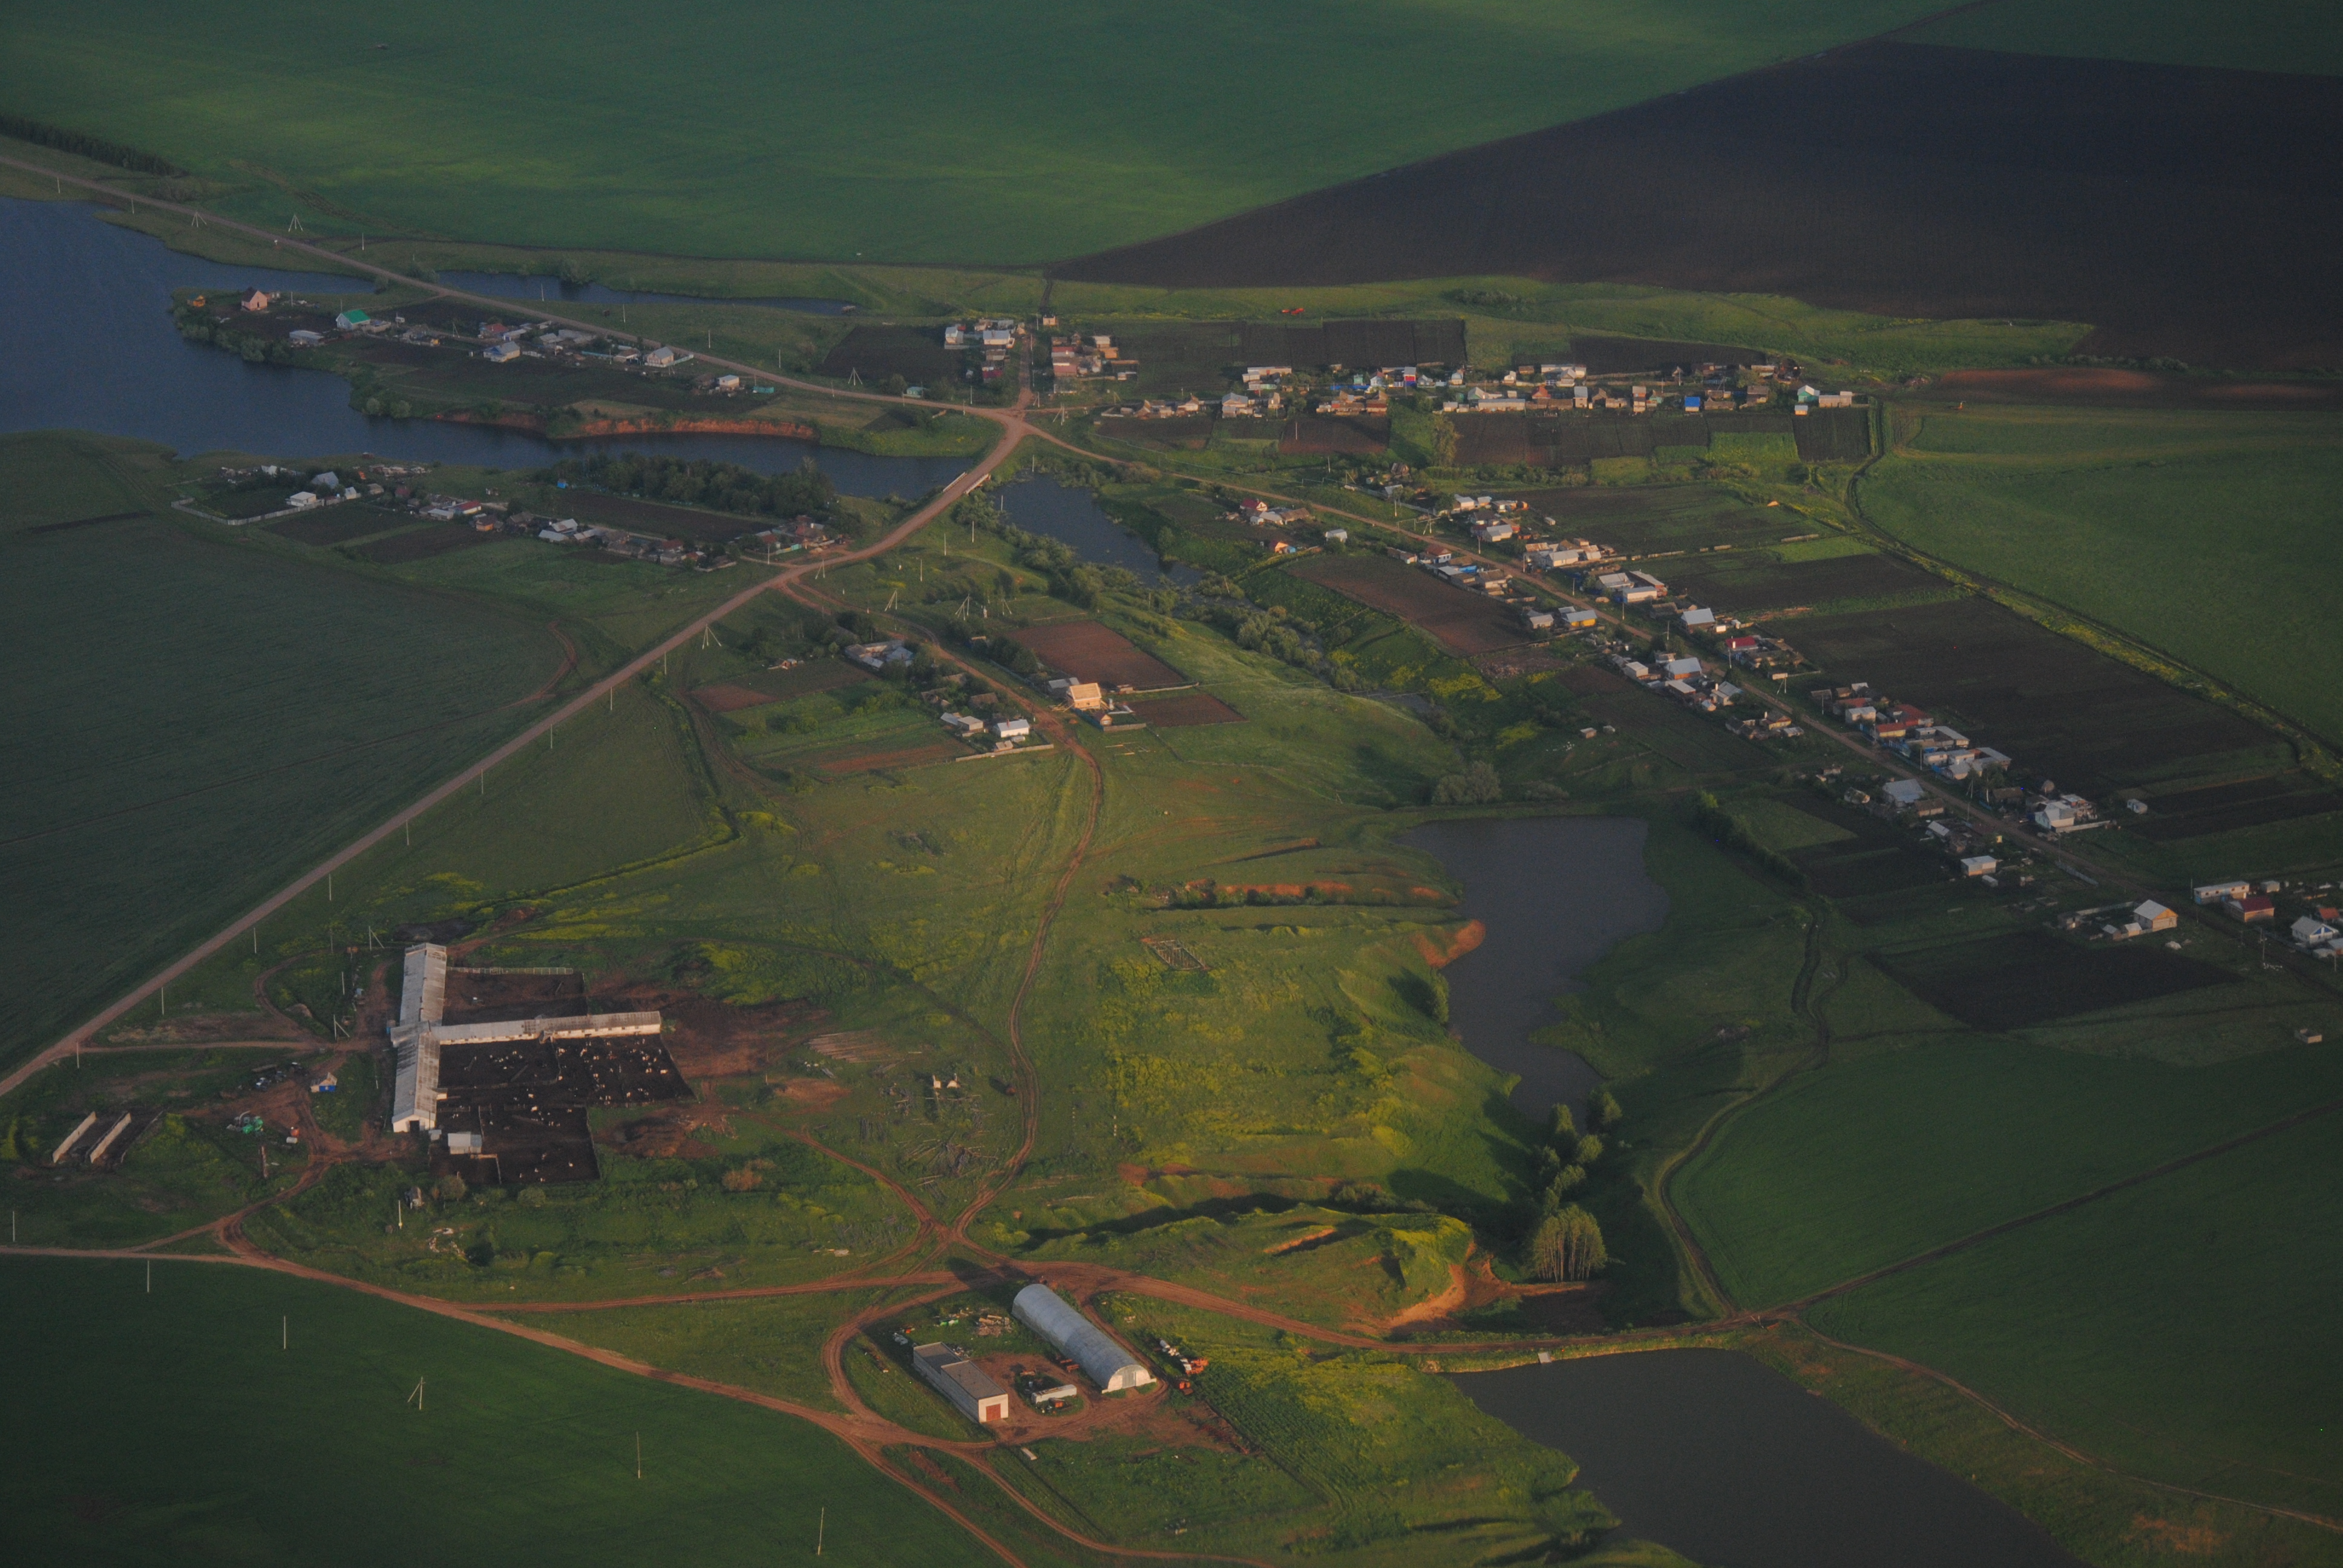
(916, 355)
(423, 544)
(2183, 211)
(2101, 386)
(1462, 623)
(1359, 436)
(777, 686)
(1089, 651)
(883, 755)
(1183, 708)
(654, 517)
(338, 526)
(2056, 706)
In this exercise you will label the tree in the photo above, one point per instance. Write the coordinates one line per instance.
(1603, 1110)
(1476, 786)
(1590, 1150)
(1563, 1132)
(450, 1187)
(1566, 1180)
(1567, 1245)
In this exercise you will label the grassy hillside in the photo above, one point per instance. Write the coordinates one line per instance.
(906, 131)
(518, 1452)
(2304, 35)
(2195, 532)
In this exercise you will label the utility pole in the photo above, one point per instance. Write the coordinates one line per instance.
(821, 1529)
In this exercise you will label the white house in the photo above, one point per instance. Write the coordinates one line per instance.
(1977, 865)
(1013, 729)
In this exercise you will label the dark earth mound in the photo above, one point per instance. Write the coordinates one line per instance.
(2184, 212)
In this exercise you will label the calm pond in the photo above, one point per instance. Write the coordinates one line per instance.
(1072, 516)
(1554, 893)
(1733, 1464)
(87, 342)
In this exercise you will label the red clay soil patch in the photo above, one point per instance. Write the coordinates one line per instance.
(2185, 211)
(808, 1093)
(1090, 651)
(1472, 935)
(729, 699)
(852, 760)
(1462, 623)
(1182, 709)
(2099, 386)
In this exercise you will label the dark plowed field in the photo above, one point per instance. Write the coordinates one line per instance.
(877, 352)
(1462, 622)
(2245, 803)
(2102, 388)
(1089, 651)
(2056, 706)
(1558, 440)
(777, 686)
(1354, 344)
(2184, 212)
(422, 544)
(1191, 433)
(1745, 583)
(2029, 977)
(1636, 519)
(1185, 709)
(1627, 355)
(337, 526)
(1361, 436)
(656, 518)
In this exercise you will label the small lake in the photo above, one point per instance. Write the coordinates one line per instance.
(1721, 1458)
(553, 291)
(1072, 516)
(1554, 893)
(87, 342)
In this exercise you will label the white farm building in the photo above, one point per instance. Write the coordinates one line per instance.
(1107, 1363)
(418, 1034)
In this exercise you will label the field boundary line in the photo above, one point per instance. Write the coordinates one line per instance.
(1975, 1238)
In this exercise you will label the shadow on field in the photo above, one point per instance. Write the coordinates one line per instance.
(2184, 211)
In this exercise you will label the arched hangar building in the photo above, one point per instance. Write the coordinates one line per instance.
(1103, 1361)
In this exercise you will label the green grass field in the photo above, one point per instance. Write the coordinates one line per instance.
(906, 132)
(191, 722)
(193, 1437)
(2187, 530)
(2177, 1330)
(2285, 35)
(1861, 1165)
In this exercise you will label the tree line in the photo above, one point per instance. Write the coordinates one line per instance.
(702, 482)
(86, 146)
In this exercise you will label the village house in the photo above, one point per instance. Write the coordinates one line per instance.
(2252, 907)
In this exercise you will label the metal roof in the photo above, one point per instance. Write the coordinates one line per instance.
(1109, 1365)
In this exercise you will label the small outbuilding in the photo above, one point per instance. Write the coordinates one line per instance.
(960, 1379)
(1106, 1363)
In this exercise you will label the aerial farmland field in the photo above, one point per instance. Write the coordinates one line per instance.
(1947, 202)
(151, 806)
(688, 157)
(2181, 528)
(1460, 621)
